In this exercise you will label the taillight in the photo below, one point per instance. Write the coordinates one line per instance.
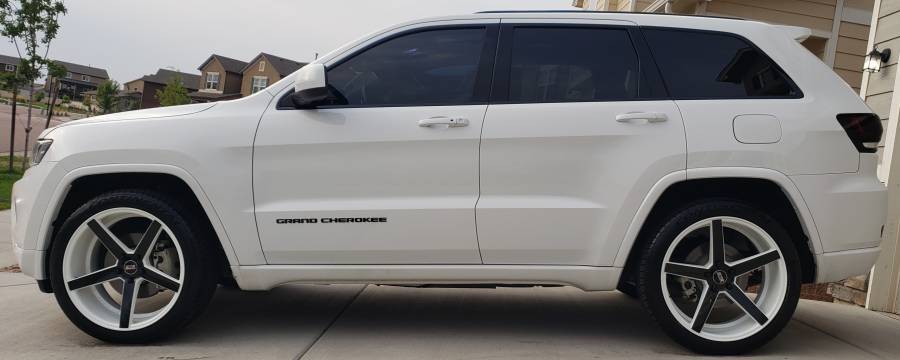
(864, 130)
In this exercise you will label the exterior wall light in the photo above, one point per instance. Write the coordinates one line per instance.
(876, 60)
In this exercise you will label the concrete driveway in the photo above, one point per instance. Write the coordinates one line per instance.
(382, 322)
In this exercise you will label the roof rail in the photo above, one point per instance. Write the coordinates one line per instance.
(600, 12)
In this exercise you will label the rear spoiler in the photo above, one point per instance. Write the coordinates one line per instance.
(795, 32)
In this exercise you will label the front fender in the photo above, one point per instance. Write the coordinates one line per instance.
(42, 236)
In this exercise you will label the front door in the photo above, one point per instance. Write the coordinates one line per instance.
(389, 173)
(578, 131)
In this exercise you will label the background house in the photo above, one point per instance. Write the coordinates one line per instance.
(840, 28)
(8, 63)
(145, 87)
(220, 79)
(78, 79)
(264, 70)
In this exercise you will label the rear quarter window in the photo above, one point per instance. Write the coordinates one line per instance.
(711, 65)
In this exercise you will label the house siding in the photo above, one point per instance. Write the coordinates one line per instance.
(253, 70)
(216, 67)
(880, 86)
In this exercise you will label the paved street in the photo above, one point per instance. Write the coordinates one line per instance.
(383, 322)
(37, 124)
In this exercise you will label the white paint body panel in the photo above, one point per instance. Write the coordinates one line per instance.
(362, 163)
(559, 192)
(560, 188)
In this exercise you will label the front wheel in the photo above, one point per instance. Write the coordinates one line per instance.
(720, 277)
(129, 267)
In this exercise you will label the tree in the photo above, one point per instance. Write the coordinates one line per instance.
(173, 94)
(38, 97)
(106, 96)
(55, 71)
(88, 104)
(11, 82)
(34, 23)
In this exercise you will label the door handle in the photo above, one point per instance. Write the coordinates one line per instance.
(650, 117)
(443, 120)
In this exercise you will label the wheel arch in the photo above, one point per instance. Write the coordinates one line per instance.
(744, 184)
(84, 183)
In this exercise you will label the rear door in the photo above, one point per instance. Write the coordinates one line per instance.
(578, 130)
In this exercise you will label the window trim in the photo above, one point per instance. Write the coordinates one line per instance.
(483, 77)
(253, 84)
(262, 65)
(646, 65)
(799, 92)
(10, 67)
(206, 81)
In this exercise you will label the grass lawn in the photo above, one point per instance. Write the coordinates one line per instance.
(7, 179)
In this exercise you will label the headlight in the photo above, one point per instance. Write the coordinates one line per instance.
(40, 149)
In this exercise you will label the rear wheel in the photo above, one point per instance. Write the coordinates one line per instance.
(128, 267)
(720, 277)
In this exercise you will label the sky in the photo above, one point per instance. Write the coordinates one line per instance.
(132, 38)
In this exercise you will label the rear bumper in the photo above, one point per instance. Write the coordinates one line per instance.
(848, 214)
(840, 265)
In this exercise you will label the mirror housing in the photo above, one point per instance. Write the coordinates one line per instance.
(310, 87)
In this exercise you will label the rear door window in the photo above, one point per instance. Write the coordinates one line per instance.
(569, 64)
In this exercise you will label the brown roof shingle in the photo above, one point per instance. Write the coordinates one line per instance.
(283, 66)
(230, 65)
(162, 76)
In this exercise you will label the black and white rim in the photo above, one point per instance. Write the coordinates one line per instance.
(123, 269)
(724, 278)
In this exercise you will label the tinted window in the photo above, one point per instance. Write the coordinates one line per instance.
(427, 68)
(709, 65)
(572, 64)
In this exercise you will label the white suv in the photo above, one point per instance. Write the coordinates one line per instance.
(707, 166)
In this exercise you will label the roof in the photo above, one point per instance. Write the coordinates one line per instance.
(163, 76)
(83, 69)
(6, 59)
(230, 65)
(283, 66)
(600, 12)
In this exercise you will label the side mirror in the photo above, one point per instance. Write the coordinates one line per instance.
(310, 87)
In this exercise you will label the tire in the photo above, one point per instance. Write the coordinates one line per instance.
(673, 293)
(172, 270)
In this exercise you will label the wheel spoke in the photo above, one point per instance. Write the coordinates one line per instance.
(159, 278)
(127, 309)
(717, 242)
(147, 240)
(747, 305)
(107, 239)
(754, 262)
(94, 278)
(704, 308)
(688, 271)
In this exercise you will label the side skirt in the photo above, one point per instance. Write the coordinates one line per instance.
(265, 277)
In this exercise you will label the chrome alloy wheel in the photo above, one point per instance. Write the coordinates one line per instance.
(123, 269)
(724, 278)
